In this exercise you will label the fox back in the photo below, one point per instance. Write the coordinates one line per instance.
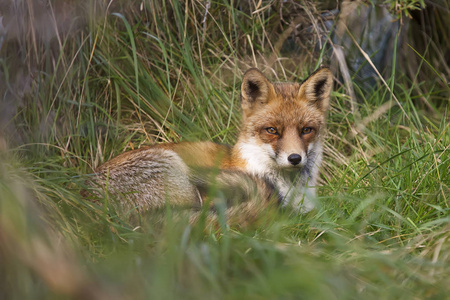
(277, 154)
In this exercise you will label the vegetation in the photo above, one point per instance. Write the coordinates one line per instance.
(130, 73)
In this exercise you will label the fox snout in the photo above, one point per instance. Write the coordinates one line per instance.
(290, 148)
(290, 159)
(294, 159)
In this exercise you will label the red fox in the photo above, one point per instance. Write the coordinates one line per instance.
(277, 154)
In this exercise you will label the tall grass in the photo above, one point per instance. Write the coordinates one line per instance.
(160, 71)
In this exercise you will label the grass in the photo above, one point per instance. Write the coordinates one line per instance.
(170, 71)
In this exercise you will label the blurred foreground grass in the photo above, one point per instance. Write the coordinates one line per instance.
(168, 71)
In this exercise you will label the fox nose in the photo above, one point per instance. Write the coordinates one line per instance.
(294, 159)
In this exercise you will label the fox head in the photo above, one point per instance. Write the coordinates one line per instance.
(282, 122)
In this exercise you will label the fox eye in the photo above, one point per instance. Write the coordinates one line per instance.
(272, 130)
(306, 130)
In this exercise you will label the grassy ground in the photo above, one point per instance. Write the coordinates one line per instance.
(171, 71)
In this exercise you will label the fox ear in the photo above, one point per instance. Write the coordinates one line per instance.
(317, 88)
(256, 91)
